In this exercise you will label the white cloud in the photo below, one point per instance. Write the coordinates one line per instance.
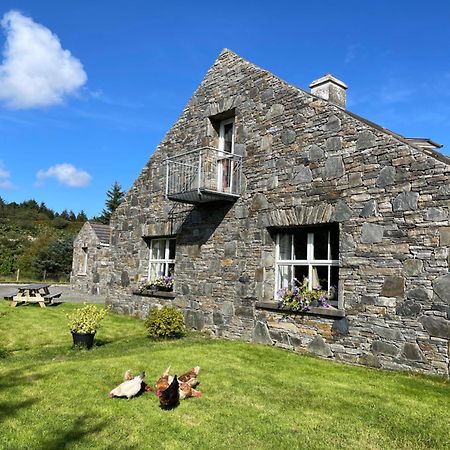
(395, 91)
(36, 71)
(66, 174)
(352, 52)
(5, 177)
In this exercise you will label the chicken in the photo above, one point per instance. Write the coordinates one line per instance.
(129, 388)
(186, 383)
(190, 377)
(163, 382)
(170, 397)
(144, 386)
(186, 391)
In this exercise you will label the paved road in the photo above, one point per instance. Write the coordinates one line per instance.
(67, 294)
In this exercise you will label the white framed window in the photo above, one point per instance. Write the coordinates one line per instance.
(83, 261)
(308, 252)
(225, 163)
(162, 258)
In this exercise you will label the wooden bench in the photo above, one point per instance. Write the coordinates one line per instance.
(53, 297)
(9, 296)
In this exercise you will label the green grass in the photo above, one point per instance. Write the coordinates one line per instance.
(254, 397)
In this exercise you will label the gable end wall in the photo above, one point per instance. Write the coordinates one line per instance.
(305, 162)
(97, 275)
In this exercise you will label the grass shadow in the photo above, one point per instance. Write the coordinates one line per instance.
(102, 342)
(8, 409)
(13, 378)
(81, 428)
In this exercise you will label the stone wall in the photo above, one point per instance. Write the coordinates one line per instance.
(306, 161)
(94, 280)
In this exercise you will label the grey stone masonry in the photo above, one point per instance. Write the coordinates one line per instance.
(306, 162)
(91, 260)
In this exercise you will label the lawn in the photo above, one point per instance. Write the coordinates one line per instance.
(254, 397)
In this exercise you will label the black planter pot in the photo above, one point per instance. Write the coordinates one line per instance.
(83, 339)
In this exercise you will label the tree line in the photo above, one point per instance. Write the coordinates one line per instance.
(38, 241)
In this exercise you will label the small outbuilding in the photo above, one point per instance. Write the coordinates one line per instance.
(91, 259)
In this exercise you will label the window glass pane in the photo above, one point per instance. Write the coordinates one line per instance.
(320, 277)
(334, 242)
(285, 246)
(300, 245)
(171, 248)
(84, 260)
(161, 248)
(153, 271)
(171, 270)
(160, 269)
(300, 273)
(153, 250)
(157, 270)
(334, 278)
(226, 173)
(156, 249)
(228, 137)
(321, 243)
(284, 276)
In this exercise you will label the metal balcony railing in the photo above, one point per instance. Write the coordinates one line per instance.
(204, 175)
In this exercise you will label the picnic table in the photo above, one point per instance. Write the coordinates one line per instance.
(35, 293)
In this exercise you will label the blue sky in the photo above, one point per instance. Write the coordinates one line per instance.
(67, 135)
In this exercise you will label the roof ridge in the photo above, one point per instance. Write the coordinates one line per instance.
(434, 153)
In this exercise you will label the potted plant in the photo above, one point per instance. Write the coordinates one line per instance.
(84, 322)
(162, 283)
(300, 298)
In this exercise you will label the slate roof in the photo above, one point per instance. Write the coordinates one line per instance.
(424, 142)
(103, 232)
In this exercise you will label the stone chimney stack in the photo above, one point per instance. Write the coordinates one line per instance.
(331, 89)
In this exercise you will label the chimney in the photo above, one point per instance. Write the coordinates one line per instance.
(331, 89)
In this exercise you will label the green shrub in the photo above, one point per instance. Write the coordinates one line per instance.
(86, 319)
(167, 322)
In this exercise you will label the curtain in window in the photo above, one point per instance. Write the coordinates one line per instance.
(315, 283)
(285, 276)
(285, 246)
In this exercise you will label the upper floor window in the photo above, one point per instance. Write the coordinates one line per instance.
(226, 147)
(162, 258)
(311, 253)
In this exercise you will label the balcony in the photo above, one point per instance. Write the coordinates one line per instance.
(204, 175)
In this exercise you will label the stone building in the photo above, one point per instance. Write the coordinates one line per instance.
(91, 259)
(259, 182)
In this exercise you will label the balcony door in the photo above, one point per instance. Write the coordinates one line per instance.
(225, 161)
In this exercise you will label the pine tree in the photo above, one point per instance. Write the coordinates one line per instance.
(81, 217)
(114, 197)
(65, 215)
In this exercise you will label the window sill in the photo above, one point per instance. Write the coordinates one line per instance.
(148, 293)
(313, 311)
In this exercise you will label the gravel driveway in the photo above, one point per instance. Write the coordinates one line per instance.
(67, 295)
